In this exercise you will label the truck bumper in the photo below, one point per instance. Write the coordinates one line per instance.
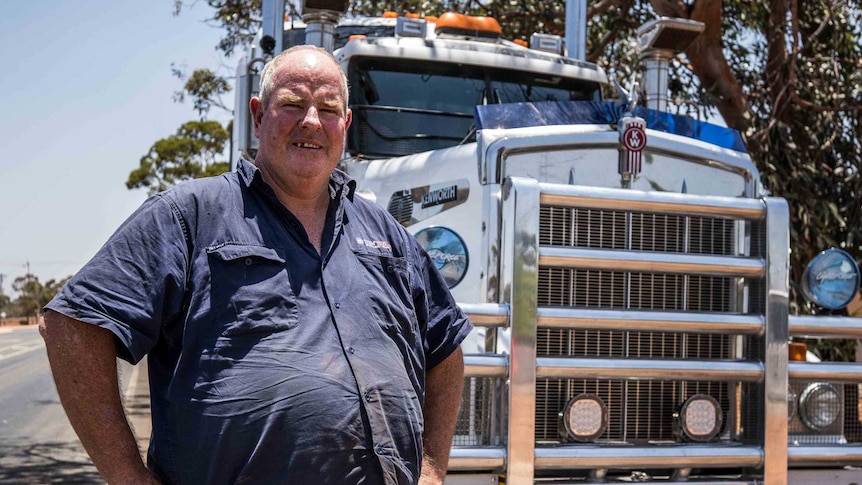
(831, 476)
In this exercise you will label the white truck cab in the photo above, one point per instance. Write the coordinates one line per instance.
(625, 270)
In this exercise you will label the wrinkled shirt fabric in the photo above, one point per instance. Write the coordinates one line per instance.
(269, 362)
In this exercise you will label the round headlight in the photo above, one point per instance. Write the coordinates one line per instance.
(700, 418)
(585, 417)
(831, 279)
(448, 252)
(819, 406)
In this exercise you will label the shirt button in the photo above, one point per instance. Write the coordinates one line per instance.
(368, 397)
(248, 261)
(351, 350)
(390, 268)
(337, 305)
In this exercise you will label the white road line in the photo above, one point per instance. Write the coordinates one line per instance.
(19, 349)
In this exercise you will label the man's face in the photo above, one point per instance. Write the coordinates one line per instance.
(302, 129)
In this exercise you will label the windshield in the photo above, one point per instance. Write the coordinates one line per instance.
(403, 106)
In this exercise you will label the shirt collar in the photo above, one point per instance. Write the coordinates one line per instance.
(338, 180)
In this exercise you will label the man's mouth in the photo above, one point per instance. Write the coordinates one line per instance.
(312, 146)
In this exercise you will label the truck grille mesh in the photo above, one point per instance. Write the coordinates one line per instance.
(640, 411)
(480, 422)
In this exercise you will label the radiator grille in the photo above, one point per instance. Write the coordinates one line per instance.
(480, 421)
(640, 411)
(606, 229)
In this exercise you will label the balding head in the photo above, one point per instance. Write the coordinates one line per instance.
(267, 78)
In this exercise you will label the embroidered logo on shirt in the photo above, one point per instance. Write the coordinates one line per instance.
(374, 244)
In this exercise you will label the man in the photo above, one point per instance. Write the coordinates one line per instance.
(294, 332)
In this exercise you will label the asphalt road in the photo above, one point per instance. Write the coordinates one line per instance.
(37, 443)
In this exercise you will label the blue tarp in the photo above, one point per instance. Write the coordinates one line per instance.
(550, 113)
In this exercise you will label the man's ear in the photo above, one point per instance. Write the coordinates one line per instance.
(348, 119)
(256, 108)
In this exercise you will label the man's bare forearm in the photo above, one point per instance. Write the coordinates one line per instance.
(84, 363)
(443, 386)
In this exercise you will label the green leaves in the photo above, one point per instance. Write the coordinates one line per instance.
(193, 152)
(33, 295)
(205, 88)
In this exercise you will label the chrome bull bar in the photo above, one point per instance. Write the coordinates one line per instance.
(522, 255)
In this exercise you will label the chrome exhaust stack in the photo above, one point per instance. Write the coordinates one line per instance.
(660, 41)
(321, 17)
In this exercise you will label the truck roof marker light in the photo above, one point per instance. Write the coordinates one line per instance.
(699, 418)
(431, 18)
(460, 24)
(547, 43)
(521, 42)
(357, 36)
(410, 27)
(390, 14)
(411, 15)
(585, 418)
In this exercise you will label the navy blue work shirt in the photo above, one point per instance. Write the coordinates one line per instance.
(269, 362)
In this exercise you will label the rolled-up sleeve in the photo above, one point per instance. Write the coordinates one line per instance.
(135, 283)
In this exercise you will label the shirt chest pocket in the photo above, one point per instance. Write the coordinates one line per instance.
(389, 291)
(250, 290)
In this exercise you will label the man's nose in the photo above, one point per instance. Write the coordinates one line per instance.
(311, 118)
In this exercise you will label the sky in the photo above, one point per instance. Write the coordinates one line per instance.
(85, 90)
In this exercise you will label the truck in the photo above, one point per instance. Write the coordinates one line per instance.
(626, 271)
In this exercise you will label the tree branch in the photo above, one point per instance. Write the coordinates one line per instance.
(777, 63)
(794, 97)
(671, 8)
(625, 7)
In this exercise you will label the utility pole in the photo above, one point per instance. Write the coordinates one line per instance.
(2, 311)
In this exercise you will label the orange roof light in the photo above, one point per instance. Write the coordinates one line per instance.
(430, 18)
(357, 36)
(521, 42)
(412, 15)
(797, 352)
(390, 15)
(460, 24)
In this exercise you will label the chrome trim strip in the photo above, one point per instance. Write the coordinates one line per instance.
(824, 326)
(847, 372)
(637, 261)
(634, 320)
(497, 145)
(486, 365)
(656, 202)
(520, 280)
(474, 458)
(487, 314)
(654, 369)
(628, 457)
(824, 455)
(776, 337)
